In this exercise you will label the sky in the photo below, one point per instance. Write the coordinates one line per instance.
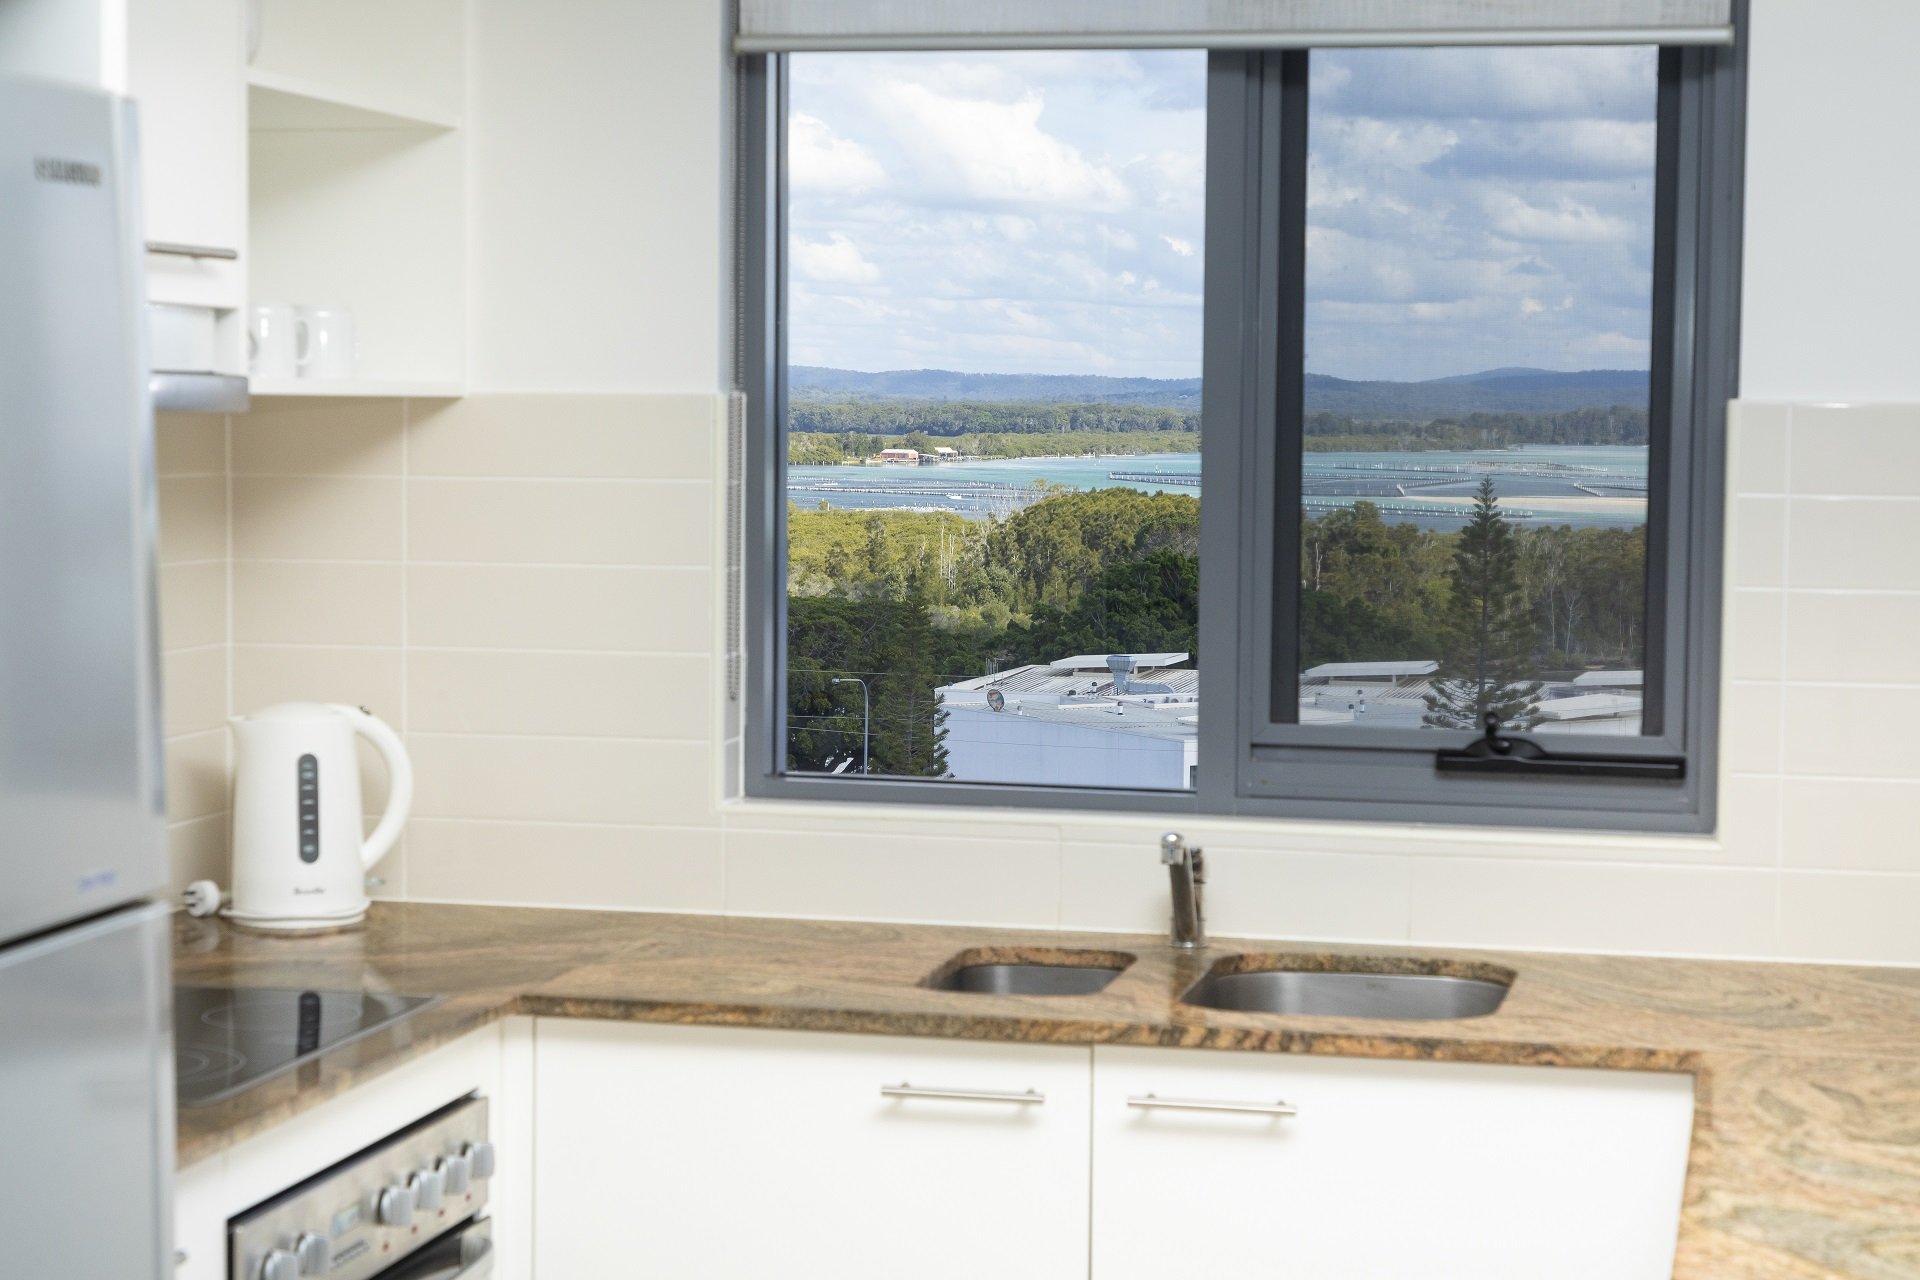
(1044, 212)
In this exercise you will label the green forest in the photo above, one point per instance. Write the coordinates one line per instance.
(825, 433)
(907, 601)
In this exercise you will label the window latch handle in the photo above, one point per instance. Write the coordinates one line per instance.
(1496, 753)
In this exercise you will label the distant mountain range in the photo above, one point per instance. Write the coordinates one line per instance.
(1505, 390)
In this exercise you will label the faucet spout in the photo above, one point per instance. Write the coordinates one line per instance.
(1187, 874)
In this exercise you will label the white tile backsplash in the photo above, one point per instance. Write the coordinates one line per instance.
(562, 691)
(1858, 544)
(1593, 906)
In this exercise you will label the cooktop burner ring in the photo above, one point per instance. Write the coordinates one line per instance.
(192, 1063)
(269, 1011)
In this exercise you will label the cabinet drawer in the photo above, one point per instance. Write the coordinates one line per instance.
(723, 1153)
(1383, 1168)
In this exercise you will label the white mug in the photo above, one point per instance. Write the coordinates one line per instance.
(270, 341)
(324, 342)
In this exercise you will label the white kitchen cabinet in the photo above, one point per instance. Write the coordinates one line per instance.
(1444, 1171)
(187, 70)
(735, 1154)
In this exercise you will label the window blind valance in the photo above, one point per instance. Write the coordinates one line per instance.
(782, 26)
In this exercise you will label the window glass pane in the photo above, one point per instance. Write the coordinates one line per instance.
(992, 439)
(1479, 271)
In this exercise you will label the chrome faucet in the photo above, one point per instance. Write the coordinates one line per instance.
(1188, 872)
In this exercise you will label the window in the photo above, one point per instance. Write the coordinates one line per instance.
(992, 482)
(1464, 320)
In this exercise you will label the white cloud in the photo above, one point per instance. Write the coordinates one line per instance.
(833, 260)
(1567, 221)
(996, 151)
(818, 159)
(1182, 247)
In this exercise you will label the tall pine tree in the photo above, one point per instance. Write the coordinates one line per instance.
(1490, 665)
(909, 724)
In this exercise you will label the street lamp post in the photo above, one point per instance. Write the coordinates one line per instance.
(866, 716)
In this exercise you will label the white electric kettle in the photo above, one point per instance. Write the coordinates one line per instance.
(298, 859)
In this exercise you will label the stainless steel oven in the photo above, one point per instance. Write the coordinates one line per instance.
(410, 1207)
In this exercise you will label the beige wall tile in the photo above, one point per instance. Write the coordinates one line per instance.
(360, 677)
(582, 436)
(1757, 447)
(558, 522)
(1109, 886)
(1752, 634)
(504, 607)
(1749, 819)
(193, 605)
(320, 437)
(1859, 919)
(1831, 441)
(193, 518)
(189, 444)
(1851, 824)
(196, 775)
(194, 689)
(931, 878)
(531, 864)
(1750, 727)
(1854, 543)
(198, 850)
(317, 518)
(280, 602)
(1757, 542)
(605, 780)
(1866, 638)
(1852, 732)
(1252, 892)
(566, 694)
(1597, 906)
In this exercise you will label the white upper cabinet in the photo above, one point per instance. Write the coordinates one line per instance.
(323, 167)
(732, 1154)
(187, 70)
(1444, 1171)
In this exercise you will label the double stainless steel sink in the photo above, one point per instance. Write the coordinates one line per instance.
(1241, 984)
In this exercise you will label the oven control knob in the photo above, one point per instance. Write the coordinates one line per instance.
(395, 1207)
(315, 1253)
(458, 1172)
(480, 1156)
(279, 1264)
(426, 1186)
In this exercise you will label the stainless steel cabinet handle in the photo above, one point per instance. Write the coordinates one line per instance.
(1149, 1102)
(1027, 1098)
(192, 250)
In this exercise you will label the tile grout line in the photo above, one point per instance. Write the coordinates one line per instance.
(406, 566)
(1780, 746)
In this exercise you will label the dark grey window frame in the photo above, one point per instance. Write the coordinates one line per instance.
(1250, 764)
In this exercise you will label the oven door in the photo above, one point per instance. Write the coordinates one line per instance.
(464, 1253)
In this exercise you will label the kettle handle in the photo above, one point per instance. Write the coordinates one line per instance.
(399, 780)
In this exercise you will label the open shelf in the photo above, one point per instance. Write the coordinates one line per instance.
(364, 387)
(277, 101)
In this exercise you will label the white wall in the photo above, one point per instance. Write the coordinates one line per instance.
(597, 188)
(1833, 202)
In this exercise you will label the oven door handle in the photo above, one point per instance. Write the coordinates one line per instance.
(465, 1253)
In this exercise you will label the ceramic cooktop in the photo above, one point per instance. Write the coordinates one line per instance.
(226, 1039)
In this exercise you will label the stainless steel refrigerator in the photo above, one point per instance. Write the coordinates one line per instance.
(86, 1075)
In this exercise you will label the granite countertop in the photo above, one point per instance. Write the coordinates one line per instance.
(1806, 1152)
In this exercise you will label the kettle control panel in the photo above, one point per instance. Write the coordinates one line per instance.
(309, 808)
(366, 1213)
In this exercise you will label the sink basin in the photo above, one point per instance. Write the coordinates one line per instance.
(1414, 996)
(1035, 973)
